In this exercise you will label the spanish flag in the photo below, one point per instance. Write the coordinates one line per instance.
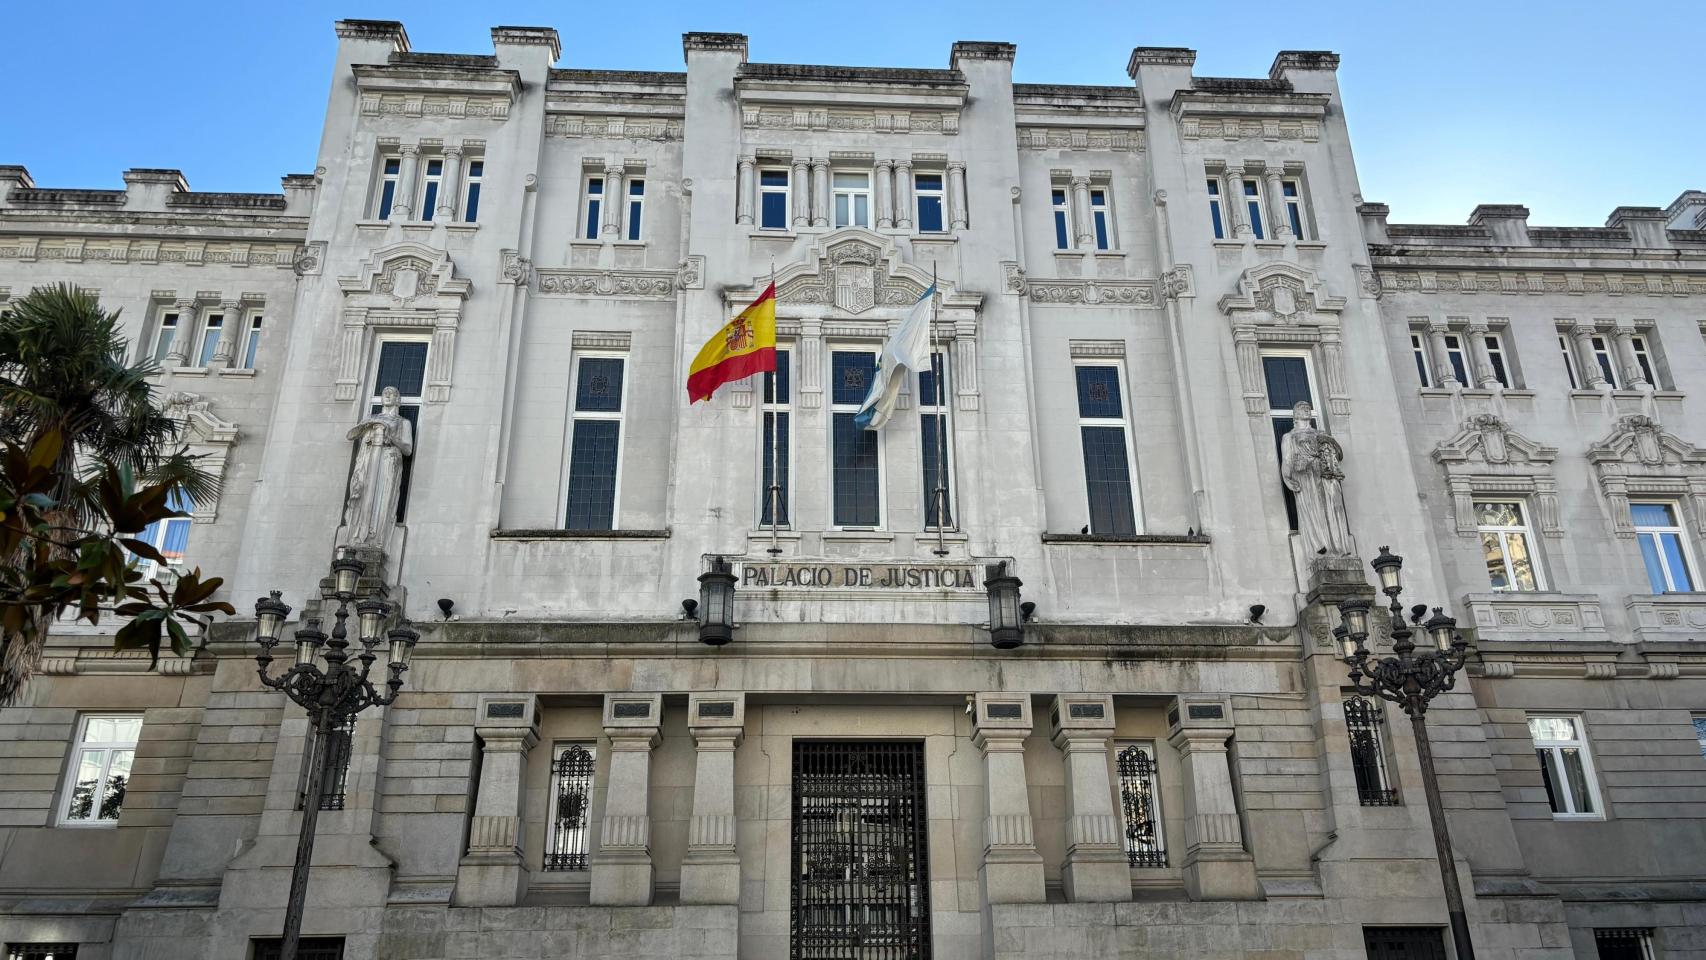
(747, 345)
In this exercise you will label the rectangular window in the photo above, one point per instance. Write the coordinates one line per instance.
(402, 364)
(1623, 943)
(1404, 943)
(1108, 466)
(471, 191)
(636, 206)
(1700, 733)
(1062, 230)
(1506, 544)
(936, 445)
(778, 446)
(1214, 213)
(251, 343)
(1569, 361)
(1454, 353)
(1099, 214)
(1419, 347)
(387, 188)
(170, 536)
(852, 199)
(1566, 769)
(1253, 204)
(100, 767)
(164, 336)
(1607, 363)
(594, 203)
(595, 444)
(430, 182)
(1289, 381)
(1292, 193)
(856, 453)
(1496, 357)
(1644, 359)
(1365, 723)
(773, 198)
(41, 951)
(1140, 806)
(307, 948)
(209, 340)
(572, 769)
(1664, 547)
(928, 189)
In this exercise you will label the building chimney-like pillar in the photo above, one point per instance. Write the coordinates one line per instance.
(622, 867)
(492, 872)
(1012, 869)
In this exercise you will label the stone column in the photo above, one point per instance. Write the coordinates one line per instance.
(710, 871)
(492, 872)
(1634, 378)
(1217, 867)
(1096, 868)
(883, 193)
(226, 348)
(1276, 206)
(1592, 375)
(178, 354)
(1083, 233)
(801, 188)
(403, 200)
(820, 192)
(903, 194)
(1012, 869)
(614, 201)
(449, 185)
(1236, 215)
(1445, 374)
(957, 196)
(622, 867)
(1480, 361)
(746, 185)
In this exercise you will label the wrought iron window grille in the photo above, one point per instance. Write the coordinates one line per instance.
(1364, 721)
(571, 809)
(1145, 842)
(308, 948)
(41, 951)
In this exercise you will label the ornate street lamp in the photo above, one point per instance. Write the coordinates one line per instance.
(332, 690)
(1006, 614)
(1412, 678)
(716, 605)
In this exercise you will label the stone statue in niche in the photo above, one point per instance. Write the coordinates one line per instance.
(383, 439)
(1310, 466)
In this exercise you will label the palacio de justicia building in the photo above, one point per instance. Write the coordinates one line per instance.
(1052, 664)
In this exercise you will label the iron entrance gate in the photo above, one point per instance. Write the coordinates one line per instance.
(861, 869)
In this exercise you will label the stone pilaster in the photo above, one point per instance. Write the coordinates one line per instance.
(1217, 867)
(710, 871)
(957, 215)
(408, 171)
(1634, 378)
(903, 194)
(1012, 869)
(1236, 214)
(183, 338)
(614, 201)
(232, 313)
(450, 185)
(1592, 375)
(492, 872)
(746, 185)
(1480, 360)
(1096, 868)
(883, 193)
(820, 192)
(802, 190)
(622, 867)
(1276, 206)
(1445, 375)
(1084, 234)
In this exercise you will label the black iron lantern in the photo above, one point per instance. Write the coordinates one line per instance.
(1386, 565)
(1006, 618)
(717, 603)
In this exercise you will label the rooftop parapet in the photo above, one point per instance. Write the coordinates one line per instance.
(692, 43)
(15, 175)
(528, 36)
(1288, 60)
(1159, 56)
(381, 31)
(1507, 222)
(1646, 225)
(980, 50)
(1687, 211)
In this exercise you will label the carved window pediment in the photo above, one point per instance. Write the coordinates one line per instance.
(207, 435)
(1486, 458)
(1639, 459)
(1283, 304)
(855, 271)
(406, 285)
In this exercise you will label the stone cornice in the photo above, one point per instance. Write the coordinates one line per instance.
(192, 252)
(608, 284)
(419, 80)
(1468, 276)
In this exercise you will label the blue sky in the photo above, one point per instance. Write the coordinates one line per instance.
(1571, 108)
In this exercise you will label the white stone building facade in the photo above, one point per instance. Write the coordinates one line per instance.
(1135, 284)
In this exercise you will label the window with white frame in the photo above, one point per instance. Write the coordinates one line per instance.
(1140, 805)
(401, 362)
(852, 198)
(595, 442)
(1216, 215)
(1569, 361)
(41, 951)
(1623, 943)
(936, 453)
(170, 536)
(1291, 192)
(1644, 360)
(1104, 436)
(471, 190)
(210, 333)
(1495, 345)
(1566, 768)
(1101, 218)
(636, 206)
(1419, 347)
(1454, 354)
(927, 188)
(570, 817)
(856, 454)
(1062, 219)
(777, 448)
(1507, 545)
(386, 195)
(251, 343)
(1700, 733)
(99, 770)
(593, 204)
(1602, 356)
(773, 198)
(431, 180)
(1289, 378)
(164, 335)
(1252, 189)
(1665, 549)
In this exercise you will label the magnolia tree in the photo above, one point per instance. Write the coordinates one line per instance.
(87, 462)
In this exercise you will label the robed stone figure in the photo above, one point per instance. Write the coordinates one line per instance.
(1310, 466)
(383, 439)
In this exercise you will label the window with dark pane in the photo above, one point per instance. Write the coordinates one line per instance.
(1404, 943)
(773, 199)
(778, 405)
(1287, 379)
(336, 781)
(1140, 807)
(402, 364)
(41, 951)
(1623, 943)
(856, 472)
(936, 454)
(571, 807)
(596, 444)
(1107, 461)
(307, 948)
(1364, 725)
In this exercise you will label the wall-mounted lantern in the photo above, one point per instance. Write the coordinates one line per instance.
(716, 606)
(1006, 616)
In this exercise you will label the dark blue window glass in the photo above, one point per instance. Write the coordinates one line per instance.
(1421, 361)
(933, 438)
(476, 168)
(386, 196)
(1288, 384)
(773, 178)
(1099, 213)
(402, 364)
(1496, 356)
(1061, 238)
(594, 193)
(1099, 392)
(599, 389)
(776, 385)
(592, 474)
(776, 450)
(1107, 474)
(850, 374)
(929, 202)
(429, 199)
(1254, 204)
(928, 381)
(636, 190)
(773, 211)
(1454, 350)
(1214, 209)
(1296, 217)
(856, 476)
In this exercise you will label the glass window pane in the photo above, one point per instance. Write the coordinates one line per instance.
(1099, 392)
(774, 211)
(387, 194)
(1671, 545)
(1288, 381)
(1492, 547)
(928, 384)
(1700, 733)
(852, 181)
(1545, 758)
(1652, 515)
(634, 221)
(928, 181)
(1552, 728)
(599, 387)
(842, 217)
(776, 386)
(930, 214)
(861, 210)
(1296, 217)
(592, 475)
(1060, 229)
(1498, 514)
(402, 364)
(1101, 229)
(89, 764)
(1256, 219)
(850, 375)
(1650, 557)
(855, 473)
(1214, 215)
(1107, 475)
(933, 441)
(773, 178)
(176, 540)
(1571, 758)
(1522, 565)
(776, 451)
(592, 219)
(118, 774)
(126, 729)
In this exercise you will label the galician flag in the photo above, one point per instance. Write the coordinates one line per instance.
(908, 349)
(746, 345)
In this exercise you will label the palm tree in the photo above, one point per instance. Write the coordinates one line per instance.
(63, 369)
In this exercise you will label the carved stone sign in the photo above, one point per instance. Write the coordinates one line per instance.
(839, 577)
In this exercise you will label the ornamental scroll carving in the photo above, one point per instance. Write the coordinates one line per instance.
(1640, 458)
(1486, 458)
(1286, 305)
(1091, 293)
(613, 284)
(403, 286)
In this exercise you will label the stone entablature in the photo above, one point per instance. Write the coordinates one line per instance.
(1640, 458)
(186, 252)
(1281, 303)
(1486, 458)
(408, 286)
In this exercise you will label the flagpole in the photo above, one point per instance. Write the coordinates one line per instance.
(941, 416)
(775, 444)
